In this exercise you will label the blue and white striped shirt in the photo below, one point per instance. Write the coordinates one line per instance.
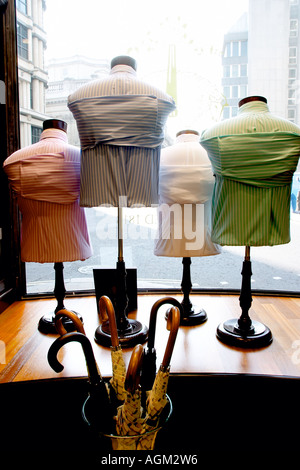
(120, 122)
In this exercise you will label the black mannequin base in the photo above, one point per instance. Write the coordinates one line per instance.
(47, 323)
(195, 316)
(257, 336)
(192, 315)
(135, 334)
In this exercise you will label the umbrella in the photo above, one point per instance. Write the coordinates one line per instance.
(156, 397)
(149, 360)
(72, 316)
(129, 421)
(106, 311)
(99, 402)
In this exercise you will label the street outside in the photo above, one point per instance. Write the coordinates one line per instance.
(273, 268)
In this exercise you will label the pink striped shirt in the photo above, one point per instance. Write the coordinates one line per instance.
(46, 179)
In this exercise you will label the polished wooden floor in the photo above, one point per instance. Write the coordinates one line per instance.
(23, 354)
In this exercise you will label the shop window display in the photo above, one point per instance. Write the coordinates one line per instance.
(188, 63)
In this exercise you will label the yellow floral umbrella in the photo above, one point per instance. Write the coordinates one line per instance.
(129, 421)
(107, 312)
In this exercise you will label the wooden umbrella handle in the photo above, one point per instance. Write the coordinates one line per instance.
(107, 312)
(93, 371)
(153, 316)
(173, 322)
(72, 316)
(133, 375)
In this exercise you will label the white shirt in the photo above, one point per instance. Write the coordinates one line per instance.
(185, 190)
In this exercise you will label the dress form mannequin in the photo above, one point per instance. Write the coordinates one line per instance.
(186, 185)
(253, 156)
(238, 331)
(124, 60)
(54, 228)
(47, 322)
(55, 124)
(252, 98)
(191, 314)
(120, 121)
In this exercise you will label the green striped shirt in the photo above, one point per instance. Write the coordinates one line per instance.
(254, 156)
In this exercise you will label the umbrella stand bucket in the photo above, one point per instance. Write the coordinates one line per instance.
(145, 441)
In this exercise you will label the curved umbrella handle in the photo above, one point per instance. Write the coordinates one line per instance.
(173, 323)
(133, 375)
(72, 316)
(153, 316)
(93, 372)
(107, 312)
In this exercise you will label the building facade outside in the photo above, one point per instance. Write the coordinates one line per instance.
(33, 78)
(268, 50)
(44, 87)
(259, 59)
(293, 63)
(65, 76)
(235, 66)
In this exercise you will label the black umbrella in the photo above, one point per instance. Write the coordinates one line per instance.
(149, 359)
(157, 397)
(99, 404)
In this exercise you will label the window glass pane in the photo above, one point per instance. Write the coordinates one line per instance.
(35, 134)
(244, 48)
(235, 48)
(206, 56)
(228, 49)
(243, 70)
(243, 91)
(291, 93)
(235, 70)
(227, 71)
(22, 6)
(226, 112)
(291, 114)
(235, 91)
(22, 39)
(293, 28)
(226, 91)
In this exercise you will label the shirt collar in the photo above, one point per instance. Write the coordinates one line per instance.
(54, 134)
(256, 106)
(122, 68)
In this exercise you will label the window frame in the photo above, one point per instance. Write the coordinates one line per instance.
(218, 290)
